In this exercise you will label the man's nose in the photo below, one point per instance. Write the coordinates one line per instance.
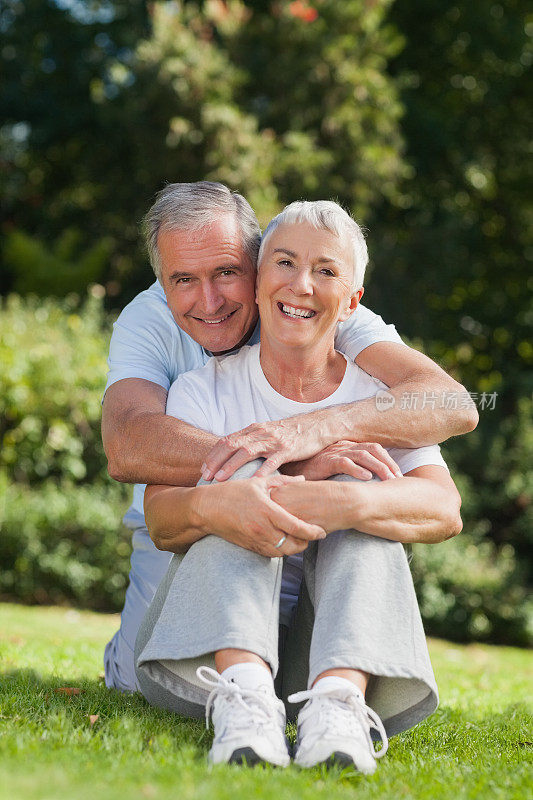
(212, 299)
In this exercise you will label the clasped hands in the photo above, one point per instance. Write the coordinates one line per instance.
(256, 513)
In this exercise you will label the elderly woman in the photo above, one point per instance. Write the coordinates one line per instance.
(334, 620)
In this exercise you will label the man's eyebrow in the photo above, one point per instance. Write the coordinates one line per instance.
(221, 267)
(179, 275)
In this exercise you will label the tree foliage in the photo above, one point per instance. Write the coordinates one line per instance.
(275, 104)
(453, 267)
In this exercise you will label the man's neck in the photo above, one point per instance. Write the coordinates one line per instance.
(246, 338)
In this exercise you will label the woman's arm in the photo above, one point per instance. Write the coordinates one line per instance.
(423, 506)
(240, 511)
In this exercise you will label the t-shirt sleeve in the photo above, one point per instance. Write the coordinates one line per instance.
(139, 346)
(187, 402)
(362, 329)
(411, 458)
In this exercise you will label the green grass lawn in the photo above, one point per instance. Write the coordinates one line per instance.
(478, 744)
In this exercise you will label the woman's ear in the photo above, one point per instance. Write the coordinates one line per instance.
(354, 302)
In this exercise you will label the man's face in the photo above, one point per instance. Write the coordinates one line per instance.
(209, 283)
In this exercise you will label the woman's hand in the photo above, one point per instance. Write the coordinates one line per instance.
(327, 504)
(243, 512)
(361, 460)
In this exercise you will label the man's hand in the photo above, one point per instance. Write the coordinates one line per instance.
(359, 459)
(293, 439)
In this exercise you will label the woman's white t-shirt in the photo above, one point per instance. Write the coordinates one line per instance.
(231, 392)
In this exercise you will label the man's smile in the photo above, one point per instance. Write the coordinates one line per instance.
(217, 320)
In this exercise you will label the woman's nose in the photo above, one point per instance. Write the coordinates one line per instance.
(302, 282)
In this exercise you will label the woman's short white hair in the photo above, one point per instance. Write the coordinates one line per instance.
(326, 215)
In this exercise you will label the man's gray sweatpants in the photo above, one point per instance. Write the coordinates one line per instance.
(357, 609)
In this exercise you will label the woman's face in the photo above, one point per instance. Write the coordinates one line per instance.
(304, 285)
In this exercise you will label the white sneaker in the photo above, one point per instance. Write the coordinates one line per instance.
(249, 723)
(334, 727)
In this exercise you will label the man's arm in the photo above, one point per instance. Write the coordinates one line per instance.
(143, 444)
(415, 420)
(422, 507)
(407, 372)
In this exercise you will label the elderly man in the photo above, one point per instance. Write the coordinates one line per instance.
(219, 604)
(203, 242)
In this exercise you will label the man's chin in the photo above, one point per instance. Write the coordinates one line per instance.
(220, 342)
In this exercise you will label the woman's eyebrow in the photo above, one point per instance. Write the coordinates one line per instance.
(284, 250)
(292, 254)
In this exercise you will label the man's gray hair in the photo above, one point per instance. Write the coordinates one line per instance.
(192, 206)
(330, 216)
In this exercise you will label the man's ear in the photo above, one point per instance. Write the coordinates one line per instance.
(354, 302)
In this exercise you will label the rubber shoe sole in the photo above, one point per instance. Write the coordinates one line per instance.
(246, 757)
(338, 759)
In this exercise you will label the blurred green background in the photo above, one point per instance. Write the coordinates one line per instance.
(416, 116)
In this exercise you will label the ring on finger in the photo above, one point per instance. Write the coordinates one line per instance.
(278, 545)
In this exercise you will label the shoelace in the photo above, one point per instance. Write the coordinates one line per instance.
(258, 705)
(356, 704)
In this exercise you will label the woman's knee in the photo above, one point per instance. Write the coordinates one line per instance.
(246, 471)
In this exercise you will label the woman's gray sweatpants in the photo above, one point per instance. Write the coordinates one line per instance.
(357, 609)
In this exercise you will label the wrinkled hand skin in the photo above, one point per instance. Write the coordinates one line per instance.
(361, 460)
(316, 507)
(279, 442)
(260, 522)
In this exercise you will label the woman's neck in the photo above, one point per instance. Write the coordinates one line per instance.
(305, 376)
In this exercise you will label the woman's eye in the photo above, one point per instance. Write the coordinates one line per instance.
(284, 262)
(327, 271)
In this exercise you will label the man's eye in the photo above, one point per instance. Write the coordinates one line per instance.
(182, 280)
(227, 272)
(326, 271)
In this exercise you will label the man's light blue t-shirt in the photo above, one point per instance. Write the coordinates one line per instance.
(147, 343)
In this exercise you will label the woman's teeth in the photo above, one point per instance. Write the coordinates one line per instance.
(296, 312)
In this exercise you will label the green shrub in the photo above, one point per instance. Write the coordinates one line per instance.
(470, 590)
(52, 374)
(64, 543)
